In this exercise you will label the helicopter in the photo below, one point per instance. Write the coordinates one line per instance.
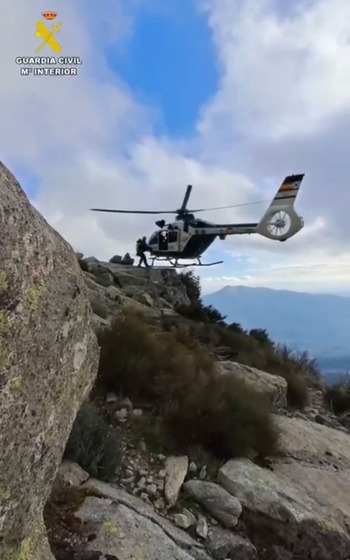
(189, 237)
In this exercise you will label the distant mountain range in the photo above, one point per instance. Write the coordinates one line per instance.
(318, 323)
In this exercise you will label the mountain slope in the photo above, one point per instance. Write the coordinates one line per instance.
(318, 323)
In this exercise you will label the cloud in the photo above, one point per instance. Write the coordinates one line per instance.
(282, 75)
(283, 105)
(57, 118)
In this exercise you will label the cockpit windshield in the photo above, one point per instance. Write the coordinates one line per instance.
(154, 238)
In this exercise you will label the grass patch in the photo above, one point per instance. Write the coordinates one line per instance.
(197, 406)
(151, 430)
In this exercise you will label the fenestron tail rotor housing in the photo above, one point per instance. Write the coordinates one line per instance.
(279, 224)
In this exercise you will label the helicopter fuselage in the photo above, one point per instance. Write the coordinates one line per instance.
(188, 239)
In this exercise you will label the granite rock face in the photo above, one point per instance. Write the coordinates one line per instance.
(131, 529)
(48, 361)
(283, 509)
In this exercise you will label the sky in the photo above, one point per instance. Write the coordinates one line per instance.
(226, 95)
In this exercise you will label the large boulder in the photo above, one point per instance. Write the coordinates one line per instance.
(224, 545)
(273, 387)
(219, 503)
(176, 471)
(48, 361)
(126, 527)
(312, 442)
(317, 459)
(328, 485)
(285, 513)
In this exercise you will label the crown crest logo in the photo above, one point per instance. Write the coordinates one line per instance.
(49, 15)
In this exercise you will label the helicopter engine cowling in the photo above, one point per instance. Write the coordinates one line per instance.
(160, 223)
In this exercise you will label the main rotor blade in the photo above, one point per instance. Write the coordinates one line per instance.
(177, 211)
(230, 206)
(133, 211)
(187, 196)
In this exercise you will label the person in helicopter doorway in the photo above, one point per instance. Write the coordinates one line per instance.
(141, 248)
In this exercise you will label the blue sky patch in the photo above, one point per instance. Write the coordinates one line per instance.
(170, 64)
(28, 180)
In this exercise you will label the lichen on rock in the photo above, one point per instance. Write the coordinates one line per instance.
(44, 376)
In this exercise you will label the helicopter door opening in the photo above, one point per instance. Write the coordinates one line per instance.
(163, 241)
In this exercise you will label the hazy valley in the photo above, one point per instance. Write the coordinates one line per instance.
(318, 323)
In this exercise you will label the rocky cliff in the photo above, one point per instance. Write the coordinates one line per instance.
(114, 287)
(48, 361)
(159, 504)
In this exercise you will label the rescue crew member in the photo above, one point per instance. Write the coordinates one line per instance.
(141, 248)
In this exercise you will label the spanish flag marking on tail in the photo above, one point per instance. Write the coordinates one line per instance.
(291, 183)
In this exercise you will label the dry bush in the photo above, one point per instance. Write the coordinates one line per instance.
(338, 397)
(94, 444)
(225, 416)
(296, 368)
(197, 406)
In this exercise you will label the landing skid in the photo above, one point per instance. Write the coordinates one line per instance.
(196, 264)
(175, 264)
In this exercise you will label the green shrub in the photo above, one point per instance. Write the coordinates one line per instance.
(192, 284)
(338, 397)
(236, 327)
(261, 335)
(201, 313)
(194, 311)
(197, 406)
(197, 311)
(94, 445)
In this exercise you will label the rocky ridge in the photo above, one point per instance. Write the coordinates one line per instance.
(299, 501)
(113, 287)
